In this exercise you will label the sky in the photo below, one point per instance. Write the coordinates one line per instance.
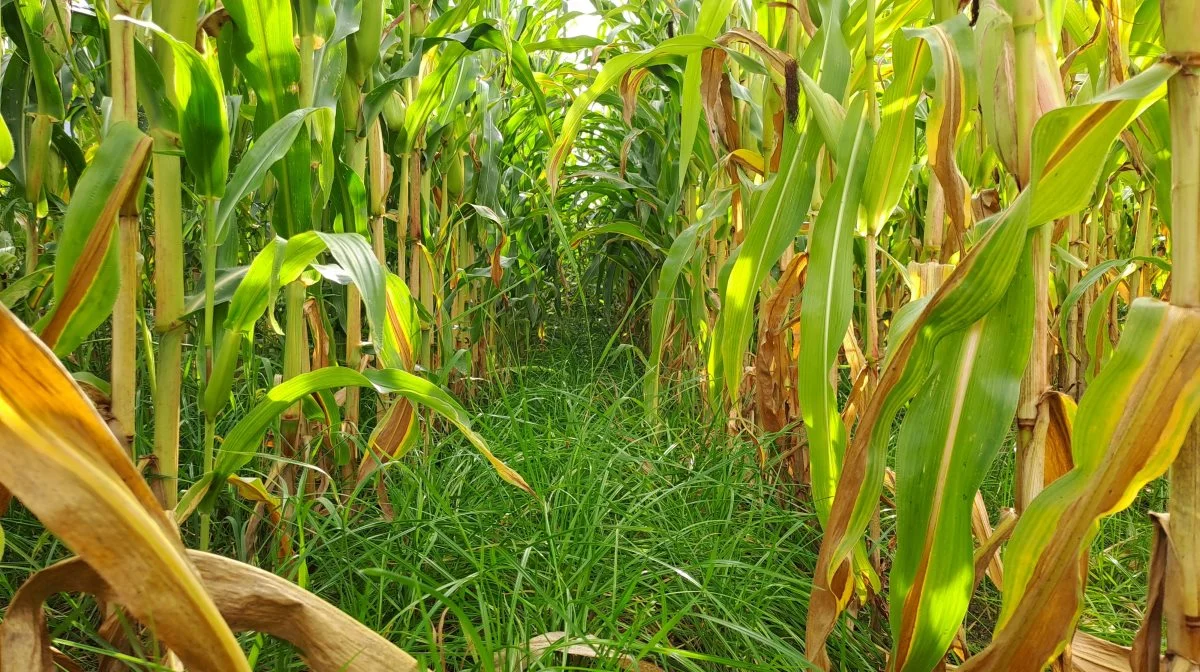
(582, 25)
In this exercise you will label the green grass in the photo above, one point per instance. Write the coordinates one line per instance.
(664, 543)
(668, 544)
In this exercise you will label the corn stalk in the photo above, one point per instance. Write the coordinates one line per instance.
(1181, 20)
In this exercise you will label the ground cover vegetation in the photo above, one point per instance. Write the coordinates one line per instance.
(684, 335)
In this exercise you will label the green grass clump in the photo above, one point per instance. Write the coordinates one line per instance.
(666, 544)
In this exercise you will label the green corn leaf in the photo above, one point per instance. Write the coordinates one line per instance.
(609, 76)
(1093, 276)
(827, 111)
(281, 263)
(981, 280)
(777, 217)
(266, 54)
(565, 44)
(270, 147)
(45, 77)
(355, 255)
(976, 286)
(258, 287)
(682, 249)
(891, 158)
(203, 120)
(835, 52)
(13, 86)
(364, 43)
(152, 92)
(459, 45)
(7, 149)
(828, 302)
(242, 442)
(712, 16)
(1067, 141)
(623, 229)
(776, 221)
(951, 47)
(951, 433)
(224, 286)
(1096, 341)
(971, 292)
(23, 286)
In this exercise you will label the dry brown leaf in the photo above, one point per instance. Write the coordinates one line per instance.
(497, 270)
(1057, 412)
(586, 646)
(1145, 654)
(716, 93)
(630, 84)
(776, 399)
(1092, 654)
(316, 331)
(987, 556)
(249, 599)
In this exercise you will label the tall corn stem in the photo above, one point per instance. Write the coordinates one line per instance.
(363, 51)
(124, 321)
(402, 241)
(1030, 451)
(179, 19)
(871, 251)
(210, 421)
(1069, 379)
(357, 155)
(295, 339)
(1181, 32)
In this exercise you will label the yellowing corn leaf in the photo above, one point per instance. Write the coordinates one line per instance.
(1152, 380)
(1066, 142)
(974, 289)
(58, 457)
(85, 273)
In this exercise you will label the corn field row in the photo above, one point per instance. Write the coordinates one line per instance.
(879, 236)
